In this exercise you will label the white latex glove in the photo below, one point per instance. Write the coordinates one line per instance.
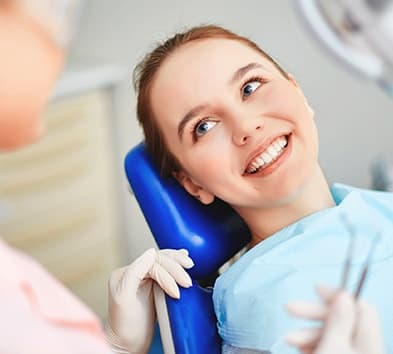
(349, 326)
(130, 326)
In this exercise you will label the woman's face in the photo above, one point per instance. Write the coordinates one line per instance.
(240, 130)
(30, 63)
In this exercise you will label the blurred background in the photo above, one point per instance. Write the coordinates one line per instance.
(66, 201)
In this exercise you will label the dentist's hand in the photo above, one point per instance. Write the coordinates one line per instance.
(131, 310)
(349, 326)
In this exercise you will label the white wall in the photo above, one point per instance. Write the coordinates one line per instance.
(354, 117)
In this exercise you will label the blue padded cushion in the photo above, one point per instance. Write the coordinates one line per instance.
(211, 233)
(193, 322)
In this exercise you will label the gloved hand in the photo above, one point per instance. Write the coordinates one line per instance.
(130, 326)
(349, 326)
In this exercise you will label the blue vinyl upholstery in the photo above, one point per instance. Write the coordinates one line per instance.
(212, 234)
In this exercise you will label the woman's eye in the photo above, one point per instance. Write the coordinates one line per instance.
(203, 127)
(250, 88)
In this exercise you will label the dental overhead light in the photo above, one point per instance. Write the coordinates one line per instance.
(358, 32)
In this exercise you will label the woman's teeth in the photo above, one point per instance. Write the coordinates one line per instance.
(274, 150)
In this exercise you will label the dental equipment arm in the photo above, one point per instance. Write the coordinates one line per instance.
(358, 32)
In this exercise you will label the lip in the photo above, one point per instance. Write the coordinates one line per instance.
(271, 168)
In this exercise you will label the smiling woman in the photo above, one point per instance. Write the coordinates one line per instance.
(220, 116)
(227, 121)
(147, 69)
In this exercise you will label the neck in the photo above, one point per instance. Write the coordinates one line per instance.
(314, 196)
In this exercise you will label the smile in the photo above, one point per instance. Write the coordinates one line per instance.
(268, 156)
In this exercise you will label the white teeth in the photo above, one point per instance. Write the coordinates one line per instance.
(266, 157)
(282, 142)
(255, 164)
(272, 151)
(277, 146)
(270, 154)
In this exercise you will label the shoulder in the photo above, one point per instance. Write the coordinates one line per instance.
(39, 309)
(381, 200)
(340, 188)
(47, 295)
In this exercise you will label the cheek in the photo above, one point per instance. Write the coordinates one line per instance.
(205, 165)
(30, 64)
(210, 161)
(21, 112)
(19, 128)
(310, 134)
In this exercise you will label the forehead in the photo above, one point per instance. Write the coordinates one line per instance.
(199, 68)
(199, 58)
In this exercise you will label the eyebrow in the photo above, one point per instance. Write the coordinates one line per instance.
(190, 115)
(239, 73)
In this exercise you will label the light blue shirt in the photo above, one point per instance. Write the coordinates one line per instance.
(250, 297)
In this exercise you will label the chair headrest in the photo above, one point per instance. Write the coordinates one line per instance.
(211, 233)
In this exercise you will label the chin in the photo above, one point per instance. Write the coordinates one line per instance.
(289, 191)
(10, 141)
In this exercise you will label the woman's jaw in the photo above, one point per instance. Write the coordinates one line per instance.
(310, 197)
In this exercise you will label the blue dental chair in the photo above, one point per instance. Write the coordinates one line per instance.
(212, 234)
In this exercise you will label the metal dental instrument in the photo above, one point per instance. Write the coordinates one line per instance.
(366, 266)
(348, 260)
(351, 247)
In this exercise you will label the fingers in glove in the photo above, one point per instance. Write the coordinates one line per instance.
(129, 278)
(304, 338)
(175, 269)
(309, 349)
(368, 334)
(165, 280)
(180, 256)
(341, 317)
(307, 310)
(326, 293)
(142, 265)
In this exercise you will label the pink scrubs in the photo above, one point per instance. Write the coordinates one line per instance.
(39, 315)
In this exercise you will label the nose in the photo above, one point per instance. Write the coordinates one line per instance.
(245, 129)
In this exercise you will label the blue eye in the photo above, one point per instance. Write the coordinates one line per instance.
(203, 127)
(250, 87)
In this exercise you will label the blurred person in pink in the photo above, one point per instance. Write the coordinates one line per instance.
(38, 314)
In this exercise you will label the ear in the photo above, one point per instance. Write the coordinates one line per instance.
(291, 78)
(193, 188)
